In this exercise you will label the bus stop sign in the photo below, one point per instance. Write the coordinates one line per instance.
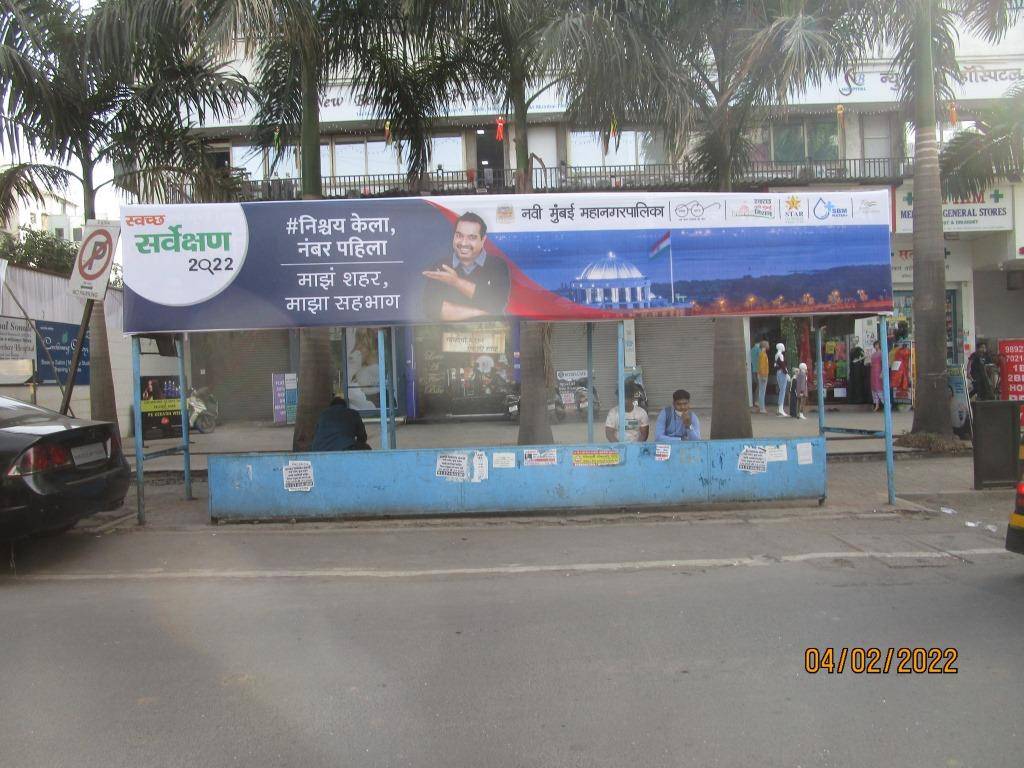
(91, 272)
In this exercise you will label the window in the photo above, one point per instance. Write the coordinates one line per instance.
(325, 160)
(651, 149)
(587, 148)
(284, 164)
(381, 158)
(877, 137)
(625, 153)
(822, 140)
(220, 157)
(446, 151)
(248, 159)
(77, 234)
(788, 143)
(350, 159)
(58, 232)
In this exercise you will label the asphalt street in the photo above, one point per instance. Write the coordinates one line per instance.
(661, 640)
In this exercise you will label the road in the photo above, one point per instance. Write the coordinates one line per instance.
(662, 640)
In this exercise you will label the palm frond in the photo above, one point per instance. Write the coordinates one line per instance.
(28, 182)
(994, 149)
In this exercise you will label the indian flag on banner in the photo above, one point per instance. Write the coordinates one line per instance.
(664, 245)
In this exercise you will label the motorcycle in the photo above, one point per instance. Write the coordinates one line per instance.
(555, 407)
(636, 381)
(573, 394)
(203, 410)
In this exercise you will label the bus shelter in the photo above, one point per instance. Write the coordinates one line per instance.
(388, 262)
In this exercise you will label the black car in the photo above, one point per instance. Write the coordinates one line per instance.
(55, 470)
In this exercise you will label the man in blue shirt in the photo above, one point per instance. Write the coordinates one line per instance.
(340, 428)
(677, 422)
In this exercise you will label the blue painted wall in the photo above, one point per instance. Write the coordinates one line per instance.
(391, 483)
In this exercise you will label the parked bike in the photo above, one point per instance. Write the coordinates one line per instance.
(203, 410)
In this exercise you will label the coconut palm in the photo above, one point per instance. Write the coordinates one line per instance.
(77, 89)
(976, 158)
(705, 75)
(923, 33)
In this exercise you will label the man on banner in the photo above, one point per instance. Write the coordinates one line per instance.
(470, 284)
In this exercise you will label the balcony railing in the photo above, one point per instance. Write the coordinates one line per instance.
(576, 178)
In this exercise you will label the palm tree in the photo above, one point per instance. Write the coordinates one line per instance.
(399, 67)
(993, 149)
(924, 34)
(705, 75)
(76, 87)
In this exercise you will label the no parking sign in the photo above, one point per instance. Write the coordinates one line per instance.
(91, 272)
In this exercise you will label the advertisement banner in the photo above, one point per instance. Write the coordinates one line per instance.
(60, 339)
(161, 404)
(17, 341)
(543, 257)
(474, 342)
(1011, 375)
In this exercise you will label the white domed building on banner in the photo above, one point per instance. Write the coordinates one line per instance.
(612, 283)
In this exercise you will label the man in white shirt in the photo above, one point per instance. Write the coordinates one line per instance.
(638, 426)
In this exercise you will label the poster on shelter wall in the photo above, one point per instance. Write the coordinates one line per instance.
(587, 256)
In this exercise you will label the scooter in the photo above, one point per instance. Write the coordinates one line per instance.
(203, 410)
(556, 410)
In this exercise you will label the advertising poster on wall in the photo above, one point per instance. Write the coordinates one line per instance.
(161, 404)
(363, 369)
(587, 256)
(60, 340)
(17, 340)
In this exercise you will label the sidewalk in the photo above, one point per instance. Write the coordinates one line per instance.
(248, 437)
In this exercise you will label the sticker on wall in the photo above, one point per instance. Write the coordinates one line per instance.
(662, 452)
(298, 476)
(453, 467)
(503, 460)
(804, 453)
(776, 452)
(753, 460)
(532, 457)
(479, 466)
(596, 457)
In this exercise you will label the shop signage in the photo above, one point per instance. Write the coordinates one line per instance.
(587, 256)
(161, 403)
(17, 341)
(60, 340)
(473, 342)
(1011, 359)
(989, 81)
(989, 211)
(958, 262)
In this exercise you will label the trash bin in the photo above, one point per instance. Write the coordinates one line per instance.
(997, 461)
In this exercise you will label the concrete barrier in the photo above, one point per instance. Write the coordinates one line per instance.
(513, 479)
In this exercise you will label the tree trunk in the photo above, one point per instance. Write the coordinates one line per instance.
(536, 377)
(535, 340)
(102, 398)
(931, 409)
(315, 366)
(730, 413)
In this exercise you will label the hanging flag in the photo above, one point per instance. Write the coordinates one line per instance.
(387, 133)
(499, 133)
(953, 117)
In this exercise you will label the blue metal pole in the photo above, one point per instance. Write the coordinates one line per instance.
(140, 495)
(344, 363)
(183, 403)
(821, 383)
(393, 392)
(590, 382)
(890, 466)
(622, 381)
(382, 375)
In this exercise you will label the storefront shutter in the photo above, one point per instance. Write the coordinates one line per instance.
(569, 352)
(238, 367)
(676, 353)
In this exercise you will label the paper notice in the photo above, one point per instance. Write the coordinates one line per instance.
(453, 467)
(595, 457)
(752, 460)
(536, 458)
(776, 452)
(503, 460)
(479, 466)
(298, 476)
(662, 452)
(804, 453)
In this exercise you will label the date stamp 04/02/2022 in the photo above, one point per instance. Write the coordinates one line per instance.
(881, 661)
